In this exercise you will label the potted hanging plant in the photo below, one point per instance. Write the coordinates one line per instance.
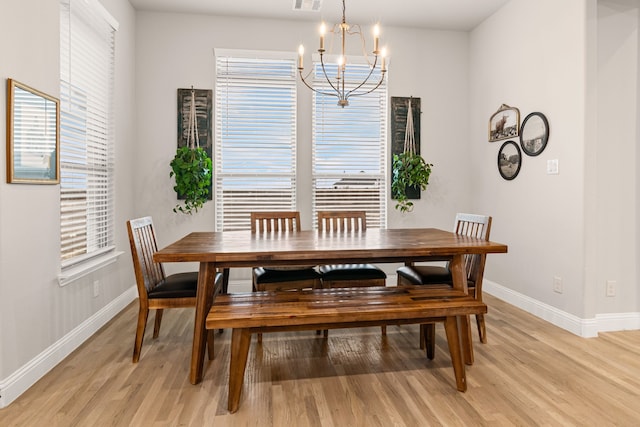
(409, 170)
(192, 169)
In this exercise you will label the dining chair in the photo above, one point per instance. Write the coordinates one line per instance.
(348, 275)
(156, 290)
(281, 277)
(471, 225)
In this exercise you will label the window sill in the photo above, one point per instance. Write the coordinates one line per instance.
(74, 273)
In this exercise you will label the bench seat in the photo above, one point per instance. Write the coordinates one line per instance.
(316, 309)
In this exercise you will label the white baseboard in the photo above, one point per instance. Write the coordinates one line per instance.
(586, 328)
(18, 382)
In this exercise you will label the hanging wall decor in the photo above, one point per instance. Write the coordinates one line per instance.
(409, 171)
(509, 160)
(534, 134)
(192, 165)
(33, 135)
(504, 123)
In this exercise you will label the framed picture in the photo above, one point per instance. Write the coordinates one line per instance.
(534, 134)
(509, 160)
(33, 135)
(505, 123)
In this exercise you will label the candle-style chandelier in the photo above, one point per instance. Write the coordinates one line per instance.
(340, 88)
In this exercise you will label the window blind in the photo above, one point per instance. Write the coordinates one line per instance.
(349, 147)
(87, 51)
(255, 144)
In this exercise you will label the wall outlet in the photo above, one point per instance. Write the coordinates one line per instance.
(96, 288)
(552, 167)
(557, 284)
(611, 288)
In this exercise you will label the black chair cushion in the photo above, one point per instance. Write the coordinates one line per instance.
(268, 275)
(351, 272)
(428, 275)
(179, 285)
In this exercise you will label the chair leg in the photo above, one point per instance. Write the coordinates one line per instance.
(210, 335)
(157, 323)
(143, 314)
(430, 339)
(482, 329)
(384, 329)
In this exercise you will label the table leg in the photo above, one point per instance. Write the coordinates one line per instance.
(240, 342)
(204, 296)
(453, 340)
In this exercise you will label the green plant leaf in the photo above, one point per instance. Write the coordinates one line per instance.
(192, 169)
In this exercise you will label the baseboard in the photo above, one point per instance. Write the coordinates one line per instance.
(18, 382)
(586, 328)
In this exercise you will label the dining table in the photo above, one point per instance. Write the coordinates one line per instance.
(222, 250)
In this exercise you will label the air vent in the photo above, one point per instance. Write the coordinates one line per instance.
(307, 5)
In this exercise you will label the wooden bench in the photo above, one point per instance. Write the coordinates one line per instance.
(320, 309)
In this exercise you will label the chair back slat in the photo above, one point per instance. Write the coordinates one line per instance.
(142, 239)
(478, 226)
(341, 221)
(267, 222)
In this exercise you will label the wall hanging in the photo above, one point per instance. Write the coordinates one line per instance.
(509, 160)
(534, 134)
(33, 135)
(505, 123)
(192, 166)
(409, 171)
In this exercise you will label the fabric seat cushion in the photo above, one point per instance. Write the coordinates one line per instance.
(270, 275)
(179, 285)
(351, 272)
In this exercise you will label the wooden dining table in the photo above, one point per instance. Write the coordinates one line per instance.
(232, 249)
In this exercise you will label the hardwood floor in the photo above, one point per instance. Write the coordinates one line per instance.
(529, 373)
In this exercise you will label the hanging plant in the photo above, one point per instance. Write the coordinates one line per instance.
(409, 169)
(192, 169)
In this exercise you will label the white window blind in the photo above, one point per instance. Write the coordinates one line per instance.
(87, 50)
(349, 147)
(255, 144)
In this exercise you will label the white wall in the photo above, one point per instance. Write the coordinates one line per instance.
(176, 51)
(38, 318)
(578, 64)
(616, 147)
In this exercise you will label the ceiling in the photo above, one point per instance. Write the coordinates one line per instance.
(461, 15)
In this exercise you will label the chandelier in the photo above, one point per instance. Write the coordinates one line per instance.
(338, 84)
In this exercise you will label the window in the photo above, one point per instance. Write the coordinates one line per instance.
(255, 144)
(87, 39)
(349, 147)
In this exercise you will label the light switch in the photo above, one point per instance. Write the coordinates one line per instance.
(552, 167)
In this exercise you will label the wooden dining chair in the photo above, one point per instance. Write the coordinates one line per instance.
(471, 225)
(281, 277)
(157, 291)
(348, 275)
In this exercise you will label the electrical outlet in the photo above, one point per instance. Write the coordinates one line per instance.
(96, 288)
(611, 288)
(557, 284)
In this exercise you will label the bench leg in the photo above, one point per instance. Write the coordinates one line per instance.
(453, 339)
(240, 341)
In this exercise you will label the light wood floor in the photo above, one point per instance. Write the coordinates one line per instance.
(529, 373)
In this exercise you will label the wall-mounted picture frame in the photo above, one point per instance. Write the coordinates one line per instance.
(33, 135)
(534, 134)
(504, 123)
(509, 160)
